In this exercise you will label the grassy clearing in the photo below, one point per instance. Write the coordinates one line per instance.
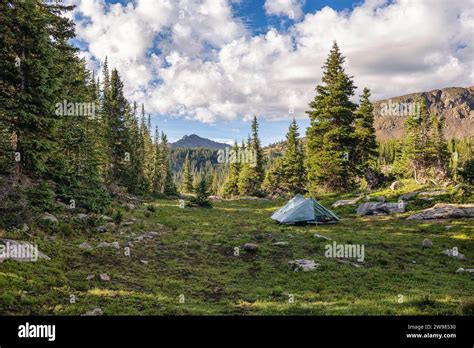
(194, 257)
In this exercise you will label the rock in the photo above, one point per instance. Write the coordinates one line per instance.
(145, 262)
(85, 246)
(394, 185)
(454, 253)
(127, 223)
(94, 312)
(130, 206)
(90, 277)
(20, 251)
(104, 277)
(446, 211)
(250, 247)
(153, 234)
(408, 196)
(321, 237)
(460, 270)
(379, 208)
(101, 229)
(303, 265)
(109, 245)
(345, 202)
(82, 216)
(106, 218)
(427, 243)
(280, 243)
(430, 194)
(49, 217)
(469, 270)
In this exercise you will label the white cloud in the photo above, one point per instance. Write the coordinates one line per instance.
(210, 68)
(287, 8)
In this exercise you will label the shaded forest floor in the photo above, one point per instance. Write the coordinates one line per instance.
(190, 265)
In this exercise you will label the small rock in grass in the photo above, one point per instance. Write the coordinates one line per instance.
(81, 216)
(101, 229)
(94, 312)
(427, 243)
(85, 246)
(104, 277)
(280, 243)
(49, 217)
(109, 245)
(460, 270)
(145, 262)
(303, 265)
(90, 277)
(413, 262)
(454, 253)
(250, 247)
(321, 237)
(106, 218)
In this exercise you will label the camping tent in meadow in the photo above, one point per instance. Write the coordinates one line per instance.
(304, 210)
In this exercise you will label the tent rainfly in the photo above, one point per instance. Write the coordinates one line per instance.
(304, 210)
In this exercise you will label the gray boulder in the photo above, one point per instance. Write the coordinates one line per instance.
(445, 211)
(250, 247)
(109, 245)
(454, 253)
(94, 312)
(379, 208)
(85, 246)
(49, 217)
(345, 202)
(427, 243)
(303, 265)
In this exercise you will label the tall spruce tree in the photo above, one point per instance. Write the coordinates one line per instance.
(232, 184)
(366, 151)
(187, 176)
(330, 136)
(293, 162)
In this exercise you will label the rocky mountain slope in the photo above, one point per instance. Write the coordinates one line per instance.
(456, 103)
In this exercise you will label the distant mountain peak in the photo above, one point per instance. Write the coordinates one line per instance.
(194, 141)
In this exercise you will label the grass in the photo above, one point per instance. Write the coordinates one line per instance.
(192, 268)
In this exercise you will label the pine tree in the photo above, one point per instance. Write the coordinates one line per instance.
(366, 152)
(232, 183)
(330, 137)
(186, 176)
(201, 191)
(293, 162)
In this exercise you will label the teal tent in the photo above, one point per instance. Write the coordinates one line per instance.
(304, 210)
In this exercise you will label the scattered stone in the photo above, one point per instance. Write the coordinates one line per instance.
(145, 262)
(426, 194)
(460, 270)
(454, 253)
(413, 262)
(109, 245)
(127, 223)
(379, 208)
(20, 251)
(130, 206)
(321, 237)
(250, 247)
(94, 312)
(85, 246)
(104, 277)
(106, 218)
(49, 217)
(303, 265)
(82, 216)
(280, 243)
(101, 229)
(394, 185)
(446, 211)
(427, 243)
(345, 202)
(90, 277)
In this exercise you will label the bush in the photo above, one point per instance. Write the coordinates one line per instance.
(467, 172)
(118, 216)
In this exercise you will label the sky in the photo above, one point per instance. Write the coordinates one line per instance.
(207, 66)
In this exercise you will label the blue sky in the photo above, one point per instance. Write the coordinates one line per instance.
(207, 66)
